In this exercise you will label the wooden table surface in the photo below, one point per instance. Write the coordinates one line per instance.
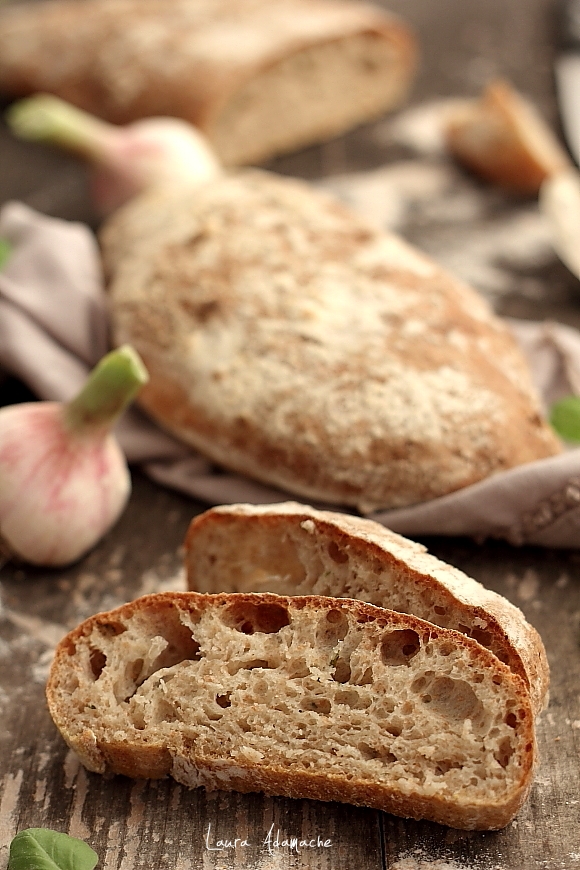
(160, 824)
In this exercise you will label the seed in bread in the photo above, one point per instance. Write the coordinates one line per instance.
(293, 549)
(309, 697)
(259, 77)
(289, 340)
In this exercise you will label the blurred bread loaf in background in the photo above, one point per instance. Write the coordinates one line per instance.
(503, 138)
(258, 77)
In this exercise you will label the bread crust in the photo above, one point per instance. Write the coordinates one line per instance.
(289, 548)
(192, 761)
(504, 140)
(127, 59)
(290, 341)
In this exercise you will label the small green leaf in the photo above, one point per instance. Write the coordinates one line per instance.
(5, 251)
(565, 418)
(42, 849)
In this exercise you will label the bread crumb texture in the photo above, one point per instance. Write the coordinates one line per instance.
(290, 341)
(293, 549)
(306, 697)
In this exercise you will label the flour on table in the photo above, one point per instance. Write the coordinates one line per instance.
(479, 233)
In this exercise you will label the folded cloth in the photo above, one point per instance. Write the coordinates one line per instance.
(53, 329)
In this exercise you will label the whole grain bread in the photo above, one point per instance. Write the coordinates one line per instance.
(259, 77)
(293, 549)
(289, 340)
(307, 697)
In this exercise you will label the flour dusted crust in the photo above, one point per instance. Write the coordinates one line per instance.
(293, 549)
(311, 697)
(259, 77)
(292, 342)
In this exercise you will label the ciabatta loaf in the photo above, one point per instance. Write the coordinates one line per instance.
(289, 340)
(292, 549)
(306, 697)
(259, 77)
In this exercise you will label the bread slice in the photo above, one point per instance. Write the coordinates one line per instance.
(306, 697)
(503, 138)
(293, 549)
(290, 341)
(259, 77)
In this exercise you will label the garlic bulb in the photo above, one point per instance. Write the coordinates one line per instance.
(64, 480)
(165, 151)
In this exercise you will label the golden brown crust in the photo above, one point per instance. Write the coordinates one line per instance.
(296, 549)
(503, 139)
(194, 762)
(127, 59)
(290, 341)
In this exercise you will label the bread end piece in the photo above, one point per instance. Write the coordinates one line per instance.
(503, 139)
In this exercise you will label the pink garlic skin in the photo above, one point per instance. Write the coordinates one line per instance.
(153, 151)
(60, 491)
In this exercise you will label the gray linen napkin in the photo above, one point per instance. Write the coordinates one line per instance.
(53, 329)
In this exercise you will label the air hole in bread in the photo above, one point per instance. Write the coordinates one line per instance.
(352, 699)
(439, 610)
(342, 672)
(336, 553)
(446, 649)
(445, 765)
(504, 752)
(248, 618)
(332, 627)
(453, 699)
(316, 705)
(365, 679)
(478, 678)
(250, 665)
(184, 649)
(497, 679)
(368, 752)
(111, 628)
(482, 637)
(223, 700)
(255, 663)
(297, 668)
(394, 729)
(400, 646)
(385, 709)
(512, 720)
(419, 683)
(134, 669)
(97, 660)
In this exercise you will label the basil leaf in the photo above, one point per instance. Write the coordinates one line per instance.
(5, 251)
(565, 418)
(42, 849)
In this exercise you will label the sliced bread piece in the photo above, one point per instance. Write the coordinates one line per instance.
(259, 77)
(306, 697)
(503, 138)
(292, 549)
